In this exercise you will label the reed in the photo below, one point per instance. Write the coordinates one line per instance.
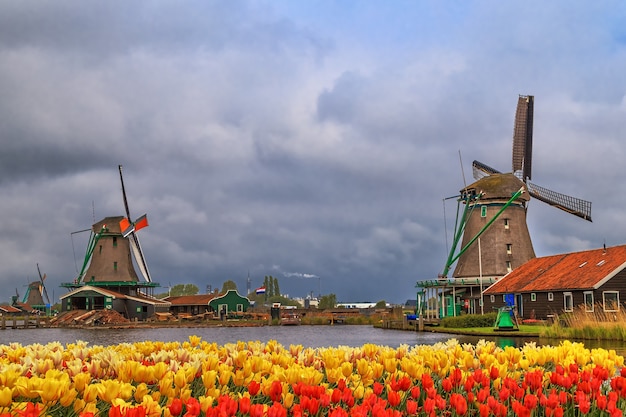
(589, 325)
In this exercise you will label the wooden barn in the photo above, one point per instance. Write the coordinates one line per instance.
(547, 286)
(190, 305)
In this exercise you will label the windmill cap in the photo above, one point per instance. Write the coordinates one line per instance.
(498, 186)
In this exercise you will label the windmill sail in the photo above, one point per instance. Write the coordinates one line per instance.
(573, 205)
(523, 137)
(480, 170)
(138, 253)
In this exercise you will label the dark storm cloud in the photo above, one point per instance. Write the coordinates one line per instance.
(297, 139)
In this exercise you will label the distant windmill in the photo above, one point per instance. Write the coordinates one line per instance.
(499, 196)
(36, 293)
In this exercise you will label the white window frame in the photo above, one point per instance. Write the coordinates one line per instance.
(492, 298)
(605, 307)
(509, 249)
(239, 308)
(550, 296)
(588, 303)
(509, 267)
(533, 296)
(506, 223)
(483, 211)
(568, 307)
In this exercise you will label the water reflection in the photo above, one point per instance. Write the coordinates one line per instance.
(310, 336)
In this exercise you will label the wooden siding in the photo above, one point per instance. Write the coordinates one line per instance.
(543, 308)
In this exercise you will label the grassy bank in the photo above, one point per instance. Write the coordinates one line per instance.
(588, 325)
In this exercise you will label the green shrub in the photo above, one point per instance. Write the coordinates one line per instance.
(469, 320)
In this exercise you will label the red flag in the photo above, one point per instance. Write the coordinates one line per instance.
(141, 222)
(126, 227)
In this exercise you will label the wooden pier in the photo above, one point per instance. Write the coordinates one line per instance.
(21, 322)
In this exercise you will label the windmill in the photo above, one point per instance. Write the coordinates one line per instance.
(496, 205)
(36, 293)
(112, 244)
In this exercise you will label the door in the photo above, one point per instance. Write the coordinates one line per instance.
(519, 304)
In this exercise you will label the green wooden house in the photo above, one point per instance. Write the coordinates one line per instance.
(230, 303)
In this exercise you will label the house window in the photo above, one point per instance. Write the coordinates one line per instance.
(483, 211)
(509, 248)
(588, 297)
(504, 298)
(114, 241)
(610, 300)
(239, 308)
(508, 266)
(550, 296)
(100, 249)
(492, 298)
(115, 266)
(506, 223)
(533, 296)
(568, 302)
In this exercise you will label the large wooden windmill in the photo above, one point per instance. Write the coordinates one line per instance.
(496, 207)
(112, 247)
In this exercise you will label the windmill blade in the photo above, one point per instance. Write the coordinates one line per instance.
(139, 257)
(573, 205)
(480, 170)
(523, 137)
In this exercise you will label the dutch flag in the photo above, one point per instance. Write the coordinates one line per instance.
(260, 290)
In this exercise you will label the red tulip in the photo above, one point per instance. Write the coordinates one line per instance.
(193, 407)
(176, 407)
(494, 373)
(276, 391)
(115, 411)
(394, 398)
(244, 405)
(257, 410)
(277, 410)
(253, 388)
(411, 407)
(427, 381)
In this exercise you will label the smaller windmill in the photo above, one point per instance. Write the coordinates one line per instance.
(36, 295)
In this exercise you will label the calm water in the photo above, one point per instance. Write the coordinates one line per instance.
(308, 336)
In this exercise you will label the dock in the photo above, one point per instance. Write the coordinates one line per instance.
(21, 322)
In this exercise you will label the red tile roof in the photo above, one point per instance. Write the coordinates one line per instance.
(9, 309)
(187, 300)
(568, 271)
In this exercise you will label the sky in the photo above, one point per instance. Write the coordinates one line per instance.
(313, 141)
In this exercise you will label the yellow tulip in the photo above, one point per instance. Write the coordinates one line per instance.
(108, 390)
(68, 397)
(6, 397)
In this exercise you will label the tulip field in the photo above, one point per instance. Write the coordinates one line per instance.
(200, 378)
